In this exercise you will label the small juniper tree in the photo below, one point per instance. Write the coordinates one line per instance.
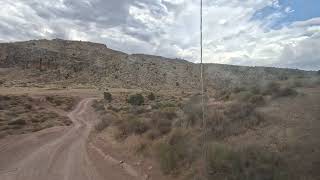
(136, 99)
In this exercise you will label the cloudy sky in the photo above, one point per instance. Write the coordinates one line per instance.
(281, 33)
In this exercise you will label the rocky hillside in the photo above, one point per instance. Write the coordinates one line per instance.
(85, 63)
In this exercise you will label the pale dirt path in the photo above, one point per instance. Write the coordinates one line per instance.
(58, 153)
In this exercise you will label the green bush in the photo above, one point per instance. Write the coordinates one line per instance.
(107, 96)
(136, 99)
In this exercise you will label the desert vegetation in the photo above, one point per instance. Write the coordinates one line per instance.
(171, 129)
(61, 102)
(23, 114)
(260, 122)
(136, 99)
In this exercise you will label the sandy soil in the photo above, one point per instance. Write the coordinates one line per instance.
(61, 153)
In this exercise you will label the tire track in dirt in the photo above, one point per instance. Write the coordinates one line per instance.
(60, 157)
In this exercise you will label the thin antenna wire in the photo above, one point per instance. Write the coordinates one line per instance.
(204, 122)
(201, 65)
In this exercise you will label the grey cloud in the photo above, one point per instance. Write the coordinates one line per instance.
(305, 55)
(110, 13)
(310, 22)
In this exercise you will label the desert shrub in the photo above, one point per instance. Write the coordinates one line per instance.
(175, 152)
(107, 96)
(167, 157)
(297, 83)
(275, 90)
(137, 110)
(167, 113)
(103, 123)
(161, 123)
(239, 110)
(132, 125)
(193, 110)
(255, 90)
(141, 148)
(164, 104)
(271, 88)
(244, 96)
(234, 119)
(114, 109)
(284, 92)
(18, 122)
(137, 126)
(98, 106)
(283, 77)
(62, 102)
(249, 163)
(28, 106)
(217, 123)
(238, 89)
(257, 100)
(151, 97)
(163, 126)
(224, 94)
(153, 134)
(136, 99)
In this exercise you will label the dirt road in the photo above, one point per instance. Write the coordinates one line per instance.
(59, 153)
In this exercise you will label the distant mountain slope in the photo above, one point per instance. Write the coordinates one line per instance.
(75, 62)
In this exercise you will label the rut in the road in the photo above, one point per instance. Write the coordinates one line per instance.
(57, 157)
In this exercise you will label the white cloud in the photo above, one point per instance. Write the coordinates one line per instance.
(288, 10)
(168, 28)
(310, 22)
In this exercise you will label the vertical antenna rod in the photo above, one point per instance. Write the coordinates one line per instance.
(204, 123)
(201, 66)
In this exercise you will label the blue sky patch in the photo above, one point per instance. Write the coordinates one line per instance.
(289, 11)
